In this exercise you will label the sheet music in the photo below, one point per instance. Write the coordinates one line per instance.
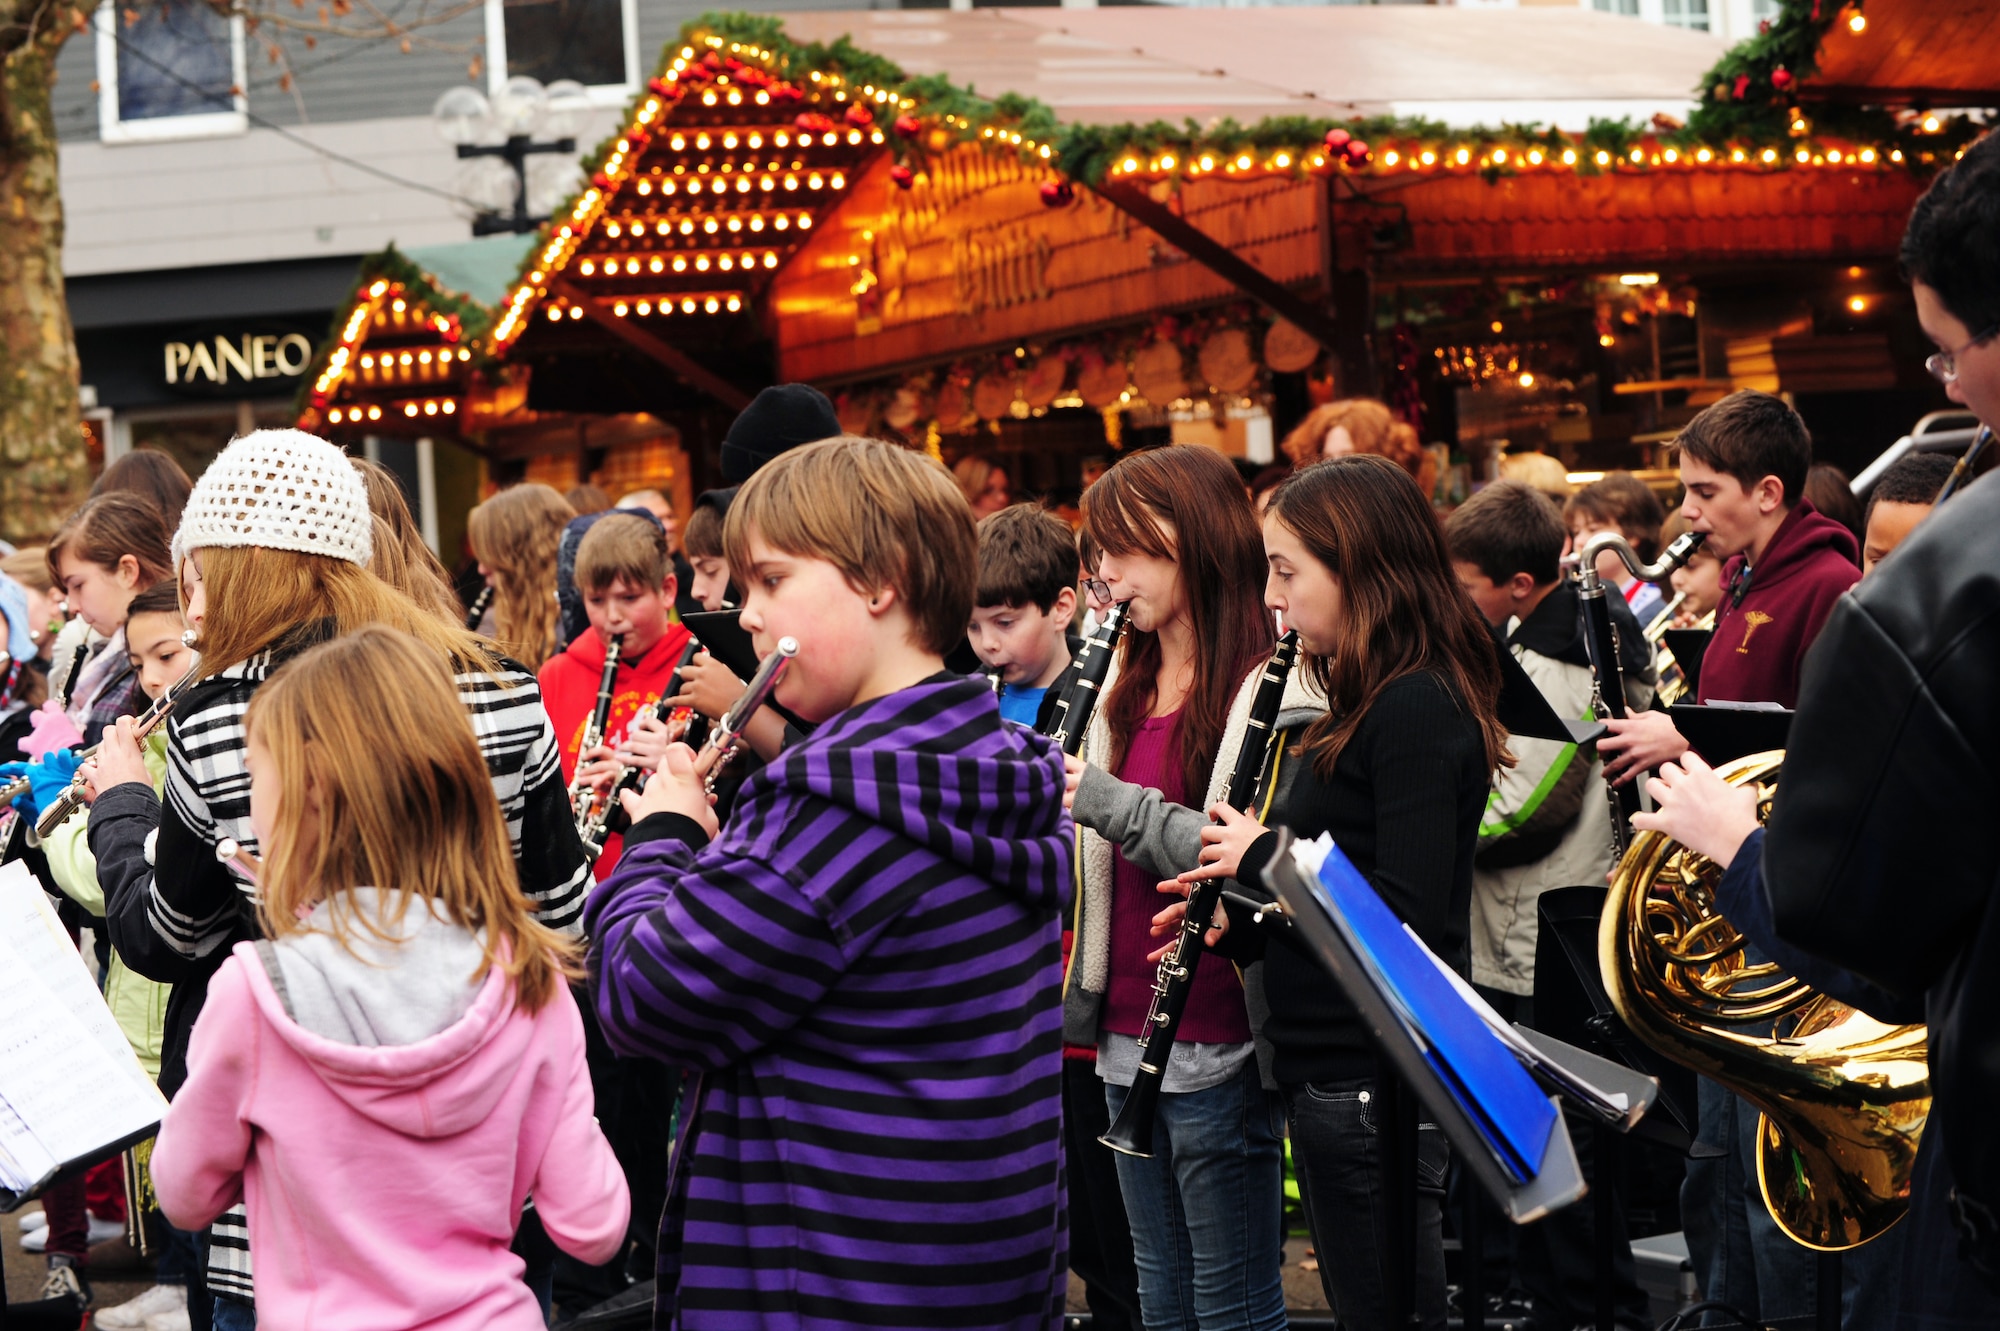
(66, 1090)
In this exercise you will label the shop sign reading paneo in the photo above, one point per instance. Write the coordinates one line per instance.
(212, 361)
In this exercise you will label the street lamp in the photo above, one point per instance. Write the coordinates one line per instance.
(503, 130)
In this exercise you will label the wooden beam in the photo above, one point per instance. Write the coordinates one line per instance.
(684, 367)
(1218, 258)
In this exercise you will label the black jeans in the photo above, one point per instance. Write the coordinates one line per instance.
(1338, 1152)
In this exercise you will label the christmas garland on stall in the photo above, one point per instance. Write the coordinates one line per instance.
(389, 275)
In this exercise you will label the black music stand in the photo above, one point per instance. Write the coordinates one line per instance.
(11, 1201)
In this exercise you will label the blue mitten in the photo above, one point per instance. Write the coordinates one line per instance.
(50, 777)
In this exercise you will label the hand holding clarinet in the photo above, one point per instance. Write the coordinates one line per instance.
(684, 780)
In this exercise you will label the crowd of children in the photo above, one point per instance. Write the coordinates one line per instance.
(826, 1032)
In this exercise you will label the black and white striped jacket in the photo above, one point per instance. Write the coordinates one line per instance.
(174, 912)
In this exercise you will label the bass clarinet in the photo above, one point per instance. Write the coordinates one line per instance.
(1600, 640)
(582, 798)
(1133, 1132)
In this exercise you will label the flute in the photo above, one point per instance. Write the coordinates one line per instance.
(727, 736)
(149, 721)
(230, 851)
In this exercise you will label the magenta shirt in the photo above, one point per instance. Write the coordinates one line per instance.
(1215, 1012)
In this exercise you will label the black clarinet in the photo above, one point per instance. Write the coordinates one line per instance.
(1093, 662)
(582, 801)
(1600, 640)
(1133, 1132)
(612, 819)
(477, 611)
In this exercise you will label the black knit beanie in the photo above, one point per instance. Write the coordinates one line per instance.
(781, 418)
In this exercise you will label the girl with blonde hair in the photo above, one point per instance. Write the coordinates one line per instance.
(273, 555)
(406, 1039)
(515, 536)
(403, 560)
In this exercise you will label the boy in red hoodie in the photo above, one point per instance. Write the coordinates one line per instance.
(1743, 464)
(627, 579)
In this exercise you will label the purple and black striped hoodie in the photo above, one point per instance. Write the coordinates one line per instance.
(864, 972)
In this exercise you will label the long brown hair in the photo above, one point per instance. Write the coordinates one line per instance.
(111, 526)
(257, 596)
(1220, 559)
(399, 799)
(516, 534)
(153, 476)
(1402, 609)
(410, 566)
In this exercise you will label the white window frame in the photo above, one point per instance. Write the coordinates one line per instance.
(111, 128)
(600, 94)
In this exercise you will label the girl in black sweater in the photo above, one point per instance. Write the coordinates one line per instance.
(1397, 770)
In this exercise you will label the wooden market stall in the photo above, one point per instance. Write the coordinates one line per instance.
(1543, 226)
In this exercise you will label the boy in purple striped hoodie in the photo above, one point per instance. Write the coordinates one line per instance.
(862, 971)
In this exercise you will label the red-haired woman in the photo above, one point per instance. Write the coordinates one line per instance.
(1175, 540)
(1360, 425)
(1397, 770)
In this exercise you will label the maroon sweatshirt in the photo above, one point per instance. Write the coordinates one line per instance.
(1771, 613)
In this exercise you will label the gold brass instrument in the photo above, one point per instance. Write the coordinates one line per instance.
(1673, 679)
(1843, 1096)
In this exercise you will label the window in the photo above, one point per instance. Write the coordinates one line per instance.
(1685, 14)
(1628, 7)
(171, 69)
(595, 42)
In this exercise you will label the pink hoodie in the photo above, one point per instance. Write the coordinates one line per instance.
(384, 1182)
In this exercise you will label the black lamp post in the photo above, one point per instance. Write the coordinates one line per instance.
(467, 120)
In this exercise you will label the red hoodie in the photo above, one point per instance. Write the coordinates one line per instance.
(1771, 613)
(569, 683)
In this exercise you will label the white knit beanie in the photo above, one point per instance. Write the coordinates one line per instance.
(283, 490)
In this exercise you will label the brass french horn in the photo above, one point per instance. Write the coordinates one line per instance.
(1843, 1097)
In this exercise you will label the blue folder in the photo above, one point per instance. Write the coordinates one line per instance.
(1498, 1095)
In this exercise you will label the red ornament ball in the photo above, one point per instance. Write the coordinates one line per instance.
(1337, 140)
(1781, 78)
(902, 175)
(1057, 193)
(1357, 152)
(909, 126)
(1763, 26)
(860, 116)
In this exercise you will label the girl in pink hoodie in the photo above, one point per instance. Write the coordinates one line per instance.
(390, 1073)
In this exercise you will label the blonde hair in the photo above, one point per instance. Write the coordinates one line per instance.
(29, 566)
(410, 566)
(257, 596)
(881, 514)
(516, 534)
(385, 787)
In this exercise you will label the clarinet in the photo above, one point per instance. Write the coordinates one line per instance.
(1133, 1132)
(1961, 471)
(582, 800)
(1600, 640)
(609, 817)
(477, 611)
(147, 722)
(1072, 714)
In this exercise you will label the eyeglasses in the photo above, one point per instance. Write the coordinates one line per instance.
(1098, 590)
(1944, 365)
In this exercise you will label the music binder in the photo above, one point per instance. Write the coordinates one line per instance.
(1722, 732)
(1507, 1131)
(71, 1092)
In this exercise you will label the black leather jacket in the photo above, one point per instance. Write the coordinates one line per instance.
(1884, 842)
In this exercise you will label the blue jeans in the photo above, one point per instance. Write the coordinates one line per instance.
(1741, 1256)
(1207, 1209)
(232, 1315)
(1337, 1146)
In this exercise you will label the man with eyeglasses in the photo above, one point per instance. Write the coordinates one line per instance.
(1882, 854)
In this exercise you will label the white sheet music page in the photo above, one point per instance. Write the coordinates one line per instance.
(70, 1083)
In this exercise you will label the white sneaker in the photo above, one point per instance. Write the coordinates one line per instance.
(170, 1321)
(137, 1314)
(101, 1231)
(33, 1221)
